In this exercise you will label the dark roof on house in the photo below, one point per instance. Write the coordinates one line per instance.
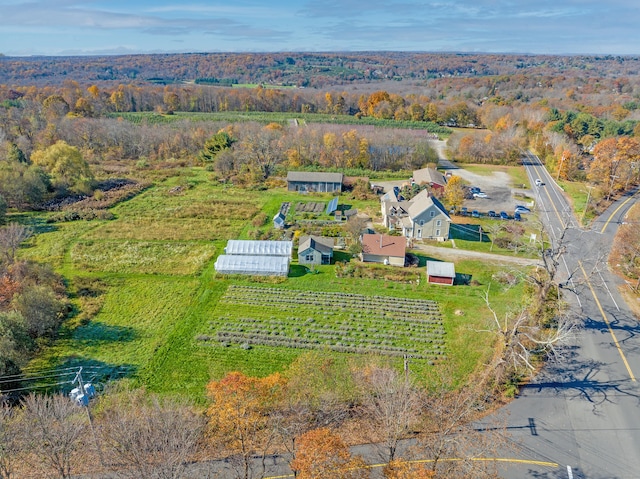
(319, 243)
(429, 176)
(384, 245)
(314, 176)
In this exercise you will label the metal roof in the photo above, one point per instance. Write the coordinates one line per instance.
(314, 176)
(441, 268)
(258, 265)
(259, 248)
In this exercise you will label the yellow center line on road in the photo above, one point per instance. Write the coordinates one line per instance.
(613, 335)
(614, 213)
(553, 205)
(529, 462)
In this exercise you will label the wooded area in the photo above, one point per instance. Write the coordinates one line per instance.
(80, 135)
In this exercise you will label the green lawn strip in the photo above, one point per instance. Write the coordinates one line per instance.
(576, 192)
(136, 320)
(467, 237)
(51, 244)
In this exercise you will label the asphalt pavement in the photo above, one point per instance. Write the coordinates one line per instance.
(583, 413)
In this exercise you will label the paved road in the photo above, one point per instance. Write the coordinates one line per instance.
(584, 414)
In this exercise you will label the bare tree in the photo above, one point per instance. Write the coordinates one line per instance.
(391, 405)
(10, 441)
(55, 428)
(151, 440)
(11, 236)
(451, 438)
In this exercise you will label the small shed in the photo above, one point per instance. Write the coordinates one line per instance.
(278, 221)
(440, 272)
(315, 250)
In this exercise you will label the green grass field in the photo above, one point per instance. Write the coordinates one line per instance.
(157, 305)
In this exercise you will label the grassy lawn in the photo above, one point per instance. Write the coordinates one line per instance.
(158, 306)
(577, 194)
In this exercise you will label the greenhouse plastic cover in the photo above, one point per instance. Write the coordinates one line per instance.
(259, 265)
(254, 247)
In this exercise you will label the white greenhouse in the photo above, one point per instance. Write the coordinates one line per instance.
(259, 248)
(254, 265)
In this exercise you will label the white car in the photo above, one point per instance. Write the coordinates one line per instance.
(480, 195)
(539, 182)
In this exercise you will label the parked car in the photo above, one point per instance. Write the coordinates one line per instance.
(504, 215)
(517, 217)
(480, 195)
(492, 214)
(474, 189)
(463, 211)
(475, 214)
(539, 182)
(522, 209)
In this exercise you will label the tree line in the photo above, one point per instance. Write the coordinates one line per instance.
(300, 415)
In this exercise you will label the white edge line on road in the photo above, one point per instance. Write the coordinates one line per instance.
(608, 290)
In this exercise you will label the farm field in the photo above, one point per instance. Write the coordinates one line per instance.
(149, 307)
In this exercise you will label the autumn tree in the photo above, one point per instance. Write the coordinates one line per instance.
(239, 417)
(260, 151)
(55, 429)
(454, 192)
(322, 454)
(66, 166)
(316, 390)
(402, 469)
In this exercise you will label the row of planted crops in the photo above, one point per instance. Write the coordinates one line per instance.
(341, 322)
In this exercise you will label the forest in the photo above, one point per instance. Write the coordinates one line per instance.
(171, 154)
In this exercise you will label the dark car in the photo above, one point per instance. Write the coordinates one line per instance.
(463, 211)
(475, 214)
(492, 214)
(516, 216)
(504, 215)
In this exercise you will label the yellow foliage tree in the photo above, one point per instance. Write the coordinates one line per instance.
(454, 192)
(66, 167)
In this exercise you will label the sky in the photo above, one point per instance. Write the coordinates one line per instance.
(106, 27)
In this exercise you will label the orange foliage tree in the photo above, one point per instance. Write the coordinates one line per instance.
(323, 455)
(401, 469)
(239, 416)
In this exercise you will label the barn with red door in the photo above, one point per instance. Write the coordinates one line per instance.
(440, 272)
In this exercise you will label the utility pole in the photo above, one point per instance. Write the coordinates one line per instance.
(81, 386)
(586, 206)
(560, 166)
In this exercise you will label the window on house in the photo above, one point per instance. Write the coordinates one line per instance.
(421, 222)
(437, 232)
(309, 257)
(439, 223)
(432, 213)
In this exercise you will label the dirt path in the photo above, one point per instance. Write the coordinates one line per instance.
(454, 254)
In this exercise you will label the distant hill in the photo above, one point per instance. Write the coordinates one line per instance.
(299, 69)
